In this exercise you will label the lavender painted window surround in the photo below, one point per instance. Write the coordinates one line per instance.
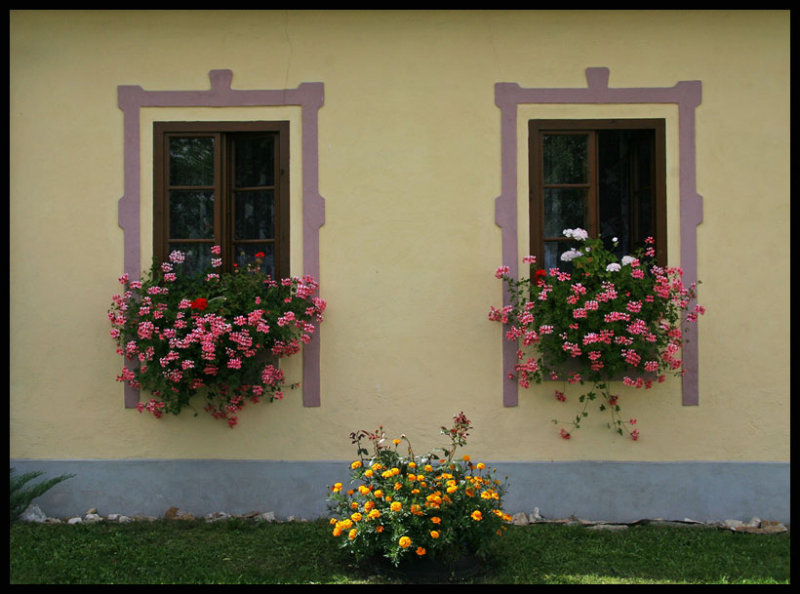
(687, 95)
(310, 97)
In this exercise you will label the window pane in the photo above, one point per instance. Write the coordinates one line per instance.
(563, 209)
(643, 203)
(255, 161)
(254, 215)
(191, 214)
(191, 161)
(565, 158)
(255, 254)
(624, 172)
(197, 256)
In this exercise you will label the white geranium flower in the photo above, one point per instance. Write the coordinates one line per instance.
(569, 255)
(577, 233)
(627, 260)
(613, 267)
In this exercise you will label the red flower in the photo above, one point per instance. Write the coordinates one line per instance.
(200, 303)
(259, 254)
(539, 275)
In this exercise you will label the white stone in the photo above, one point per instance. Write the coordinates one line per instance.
(520, 519)
(32, 513)
(92, 518)
(75, 520)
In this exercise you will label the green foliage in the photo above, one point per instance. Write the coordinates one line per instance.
(21, 494)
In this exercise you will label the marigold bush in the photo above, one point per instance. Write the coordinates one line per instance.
(402, 506)
(607, 319)
(218, 335)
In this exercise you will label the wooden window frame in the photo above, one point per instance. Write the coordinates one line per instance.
(536, 129)
(223, 206)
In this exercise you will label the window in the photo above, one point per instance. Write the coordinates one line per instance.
(226, 184)
(605, 176)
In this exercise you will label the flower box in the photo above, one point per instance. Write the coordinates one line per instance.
(214, 335)
(605, 320)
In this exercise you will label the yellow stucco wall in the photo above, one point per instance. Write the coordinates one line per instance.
(409, 166)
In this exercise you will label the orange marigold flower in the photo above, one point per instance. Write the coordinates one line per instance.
(436, 520)
(404, 542)
(352, 534)
(336, 488)
(398, 486)
(434, 534)
(476, 515)
(481, 466)
(420, 551)
(356, 464)
(412, 464)
(396, 506)
(356, 517)
(378, 528)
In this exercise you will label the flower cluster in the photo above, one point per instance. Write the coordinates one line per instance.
(215, 334)
(404, 506)
(607, 319)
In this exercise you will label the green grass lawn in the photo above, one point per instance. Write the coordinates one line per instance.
(242, 552)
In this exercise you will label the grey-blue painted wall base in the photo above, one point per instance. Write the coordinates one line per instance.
(601, 491)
